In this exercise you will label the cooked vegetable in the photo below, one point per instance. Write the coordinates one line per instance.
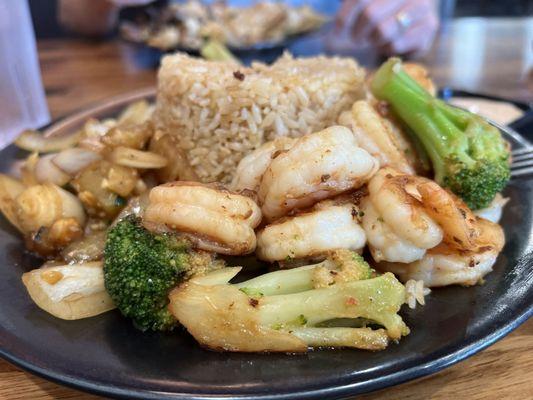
(27, 170)
(469, 155)
(141, 268)
(98, 199)
(132, 136)
(288, 311)
(71, 161)
(35, 141)
(93, 132)
(213, 50)
(42, 205)
(10, 189)
(69, 291)
(46, 241)
(137, 158)
(46, 171)
(178, 167)
(121, 180)
(88, 248)
(136, 113)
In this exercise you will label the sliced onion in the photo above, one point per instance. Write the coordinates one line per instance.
(42, 205)
(46, 171)
(10, 189)
(137, 158)
(88, 248)
(71, 161)
(135, 113)
(35, 141)
(27, 170)
(69, 291)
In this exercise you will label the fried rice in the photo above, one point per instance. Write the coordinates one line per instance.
(221, 111)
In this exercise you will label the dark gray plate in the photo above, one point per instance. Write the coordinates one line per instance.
(107, 355)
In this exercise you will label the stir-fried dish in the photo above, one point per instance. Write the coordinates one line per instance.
(188, 24)
(357, 193)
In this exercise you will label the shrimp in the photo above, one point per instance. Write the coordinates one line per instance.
(384, 244)
(494, 211)
(412, 223)
(328, 226)
(396, 200)
(217, 219)
(463, 230)
(469, 247)
(252, 167)
(375, 134)
(442, 268)
(318, 166)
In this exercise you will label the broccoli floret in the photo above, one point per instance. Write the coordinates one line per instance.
(141, 268)
(469, 156)
(286, 310)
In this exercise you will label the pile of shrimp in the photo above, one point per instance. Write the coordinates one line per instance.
(296, 200)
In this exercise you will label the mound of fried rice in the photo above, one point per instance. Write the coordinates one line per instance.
(220, 111)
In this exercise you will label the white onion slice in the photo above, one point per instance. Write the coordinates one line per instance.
(10, 189)
(47, 171)
(137, 158)
(72, 161)
(35, 141)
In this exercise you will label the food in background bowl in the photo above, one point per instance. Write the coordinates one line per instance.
(186, 25)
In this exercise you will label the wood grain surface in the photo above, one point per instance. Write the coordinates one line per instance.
(77, 73)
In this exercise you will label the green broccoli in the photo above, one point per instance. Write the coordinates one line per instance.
(140, 269)
(469, 156)
(289, 310)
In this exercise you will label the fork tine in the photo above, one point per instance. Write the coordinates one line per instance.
(523, 150)
(521, 164)
(523, 156)
(521, 172)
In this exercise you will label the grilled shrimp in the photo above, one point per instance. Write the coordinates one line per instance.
(252, 167)
(392, 195)
(440, 267)
(318, 166)
(215, 218)
(494, 211)
(405, 215)
(376, 135)
(453, 263)
(384, 244)
(328, 226)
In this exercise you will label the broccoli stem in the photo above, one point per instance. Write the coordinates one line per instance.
(363, 338)
(214, 50)
(367, 298)
(468, 154)
(291, 312)
(305, 278)
(281, 282)
(437, 125)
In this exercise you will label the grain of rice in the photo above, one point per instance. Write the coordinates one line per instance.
(415, 292)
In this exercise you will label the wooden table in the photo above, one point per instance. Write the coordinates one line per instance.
(78, 73)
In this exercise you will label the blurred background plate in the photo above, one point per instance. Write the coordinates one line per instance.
(108, 356)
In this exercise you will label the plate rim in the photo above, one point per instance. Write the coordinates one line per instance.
(420, 370)
(429, 367)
